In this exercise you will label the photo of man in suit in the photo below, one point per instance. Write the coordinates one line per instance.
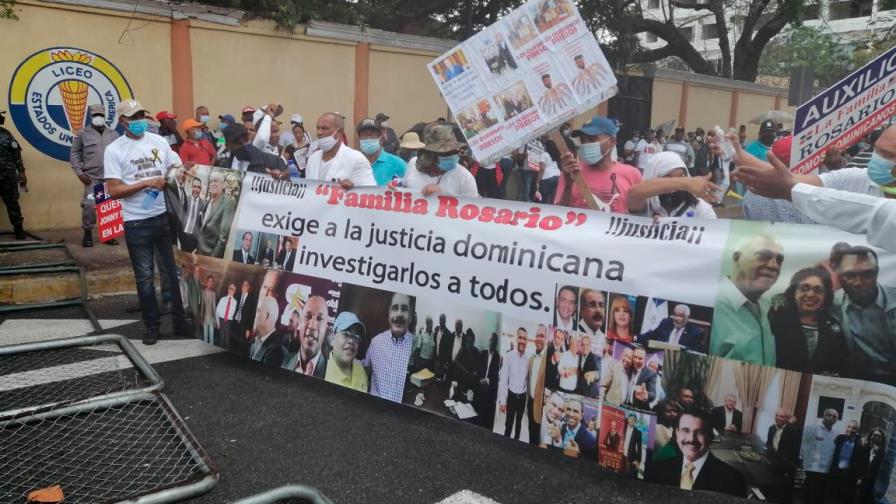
(443, 347)
(535, 397)
(633, 445)
(267, 258)
(695, 467)
(514, 385)
(225, 313)
(267, 344)
(592, 309)
(847, 464)
(612, 439)
(449, 347)
(676, 330)
(578, 441)
(872, 457)
(489, 368)
(728, 418)
(312, 330)
(245, 317)
(216, 219)
(588, 383)
(243, 255)
(641, 381)
(191, 210)
(287, 257)
(565, 308)
(783, 437)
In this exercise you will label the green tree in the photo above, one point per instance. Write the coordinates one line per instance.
(7, 9)
(810, 47)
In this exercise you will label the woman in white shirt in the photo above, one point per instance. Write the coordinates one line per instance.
(549, 177)
(668, 191)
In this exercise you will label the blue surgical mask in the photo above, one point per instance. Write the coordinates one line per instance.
(197, 135)
(137, 127)
(880, 169)
(203, 119)
(370, 145)
(448, 163)
(591, 152)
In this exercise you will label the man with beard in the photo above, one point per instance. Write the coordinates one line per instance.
(390, 351)
(535, 397)
(552, 424)
(266, 346)
(304, 356)
(578, 441)
(343, 368)
(867, 311)
(695, 468)
(592, 308)
(555, 98)
(741, 328)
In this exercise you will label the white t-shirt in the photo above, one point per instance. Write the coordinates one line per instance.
(551, 169)
(346, 164)
(457, 182)
(854, 180)
(646, 150)
(131, 161)
(568, 362)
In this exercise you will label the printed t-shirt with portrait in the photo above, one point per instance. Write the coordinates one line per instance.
(611, 186)
(646, 150)
(132, 160)
(551, 169)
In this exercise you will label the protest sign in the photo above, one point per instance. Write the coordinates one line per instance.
(523, 76)
(608, 314)
(534, 150)
(844, 113)
(109, 216)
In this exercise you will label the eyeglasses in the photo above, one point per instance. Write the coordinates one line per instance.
(806, 288)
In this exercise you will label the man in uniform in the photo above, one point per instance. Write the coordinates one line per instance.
(12, 172)
(86, 157)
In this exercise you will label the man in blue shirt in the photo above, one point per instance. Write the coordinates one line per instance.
(386, 167)
(760, 146)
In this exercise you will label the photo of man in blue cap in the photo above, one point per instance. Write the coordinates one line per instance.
(344, 369)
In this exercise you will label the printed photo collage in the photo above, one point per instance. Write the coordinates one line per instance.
(609, 377)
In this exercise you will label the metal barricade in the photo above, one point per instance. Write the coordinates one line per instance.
(50, 374)
(292, 494)
(129, 448)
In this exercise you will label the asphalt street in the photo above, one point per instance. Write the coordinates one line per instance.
(266, 427)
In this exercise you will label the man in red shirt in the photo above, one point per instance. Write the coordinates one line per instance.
(608, 180)
(196, 149)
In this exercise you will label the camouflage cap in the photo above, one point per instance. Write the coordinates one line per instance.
(439, 138)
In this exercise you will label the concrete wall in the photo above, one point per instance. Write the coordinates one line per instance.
(400, 81)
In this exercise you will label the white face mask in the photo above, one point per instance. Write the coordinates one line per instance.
(384, 124)
(98, 121)
(327, 143)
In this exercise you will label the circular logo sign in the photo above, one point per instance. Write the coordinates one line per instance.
(51, 91)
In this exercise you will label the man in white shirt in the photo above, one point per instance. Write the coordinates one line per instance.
(565, 309)
(135, 166)
(537, 365)
(225, 314)
(335, 161)
(513, 384)
(646, 148)
(436, 169)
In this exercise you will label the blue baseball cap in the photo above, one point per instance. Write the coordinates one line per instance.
(227, 118)
(348, 319)
(597, 126)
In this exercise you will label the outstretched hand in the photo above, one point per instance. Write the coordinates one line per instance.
(772, 179)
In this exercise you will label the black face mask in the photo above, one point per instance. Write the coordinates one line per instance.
(242, 153)
(2, 119)
(675, 200)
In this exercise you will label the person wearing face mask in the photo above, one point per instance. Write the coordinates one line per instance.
(608, 181)
(202, 117)
(335, 161)
(168, 129)
(221, 144)
(386, 167)
(196, 148)
(86, 158)
(135, 166)
(668, 191)
(826, 198)
(628, 150)
(390, 138)
(436, 168)
(244, 156)
(410, 144)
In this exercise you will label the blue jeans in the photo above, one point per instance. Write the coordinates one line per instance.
(149, 243)
(548, 189)
(526, 178)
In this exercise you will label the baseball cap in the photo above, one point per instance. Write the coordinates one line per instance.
(766, 125)
(347, 319)
(234, 131)
(95, 110)
(297, 118)
(228, 118)
(597, 126)
(129, 108)
(382, 117)
(781, 149)
(368, 124)
(191, 123)
(165, 115)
